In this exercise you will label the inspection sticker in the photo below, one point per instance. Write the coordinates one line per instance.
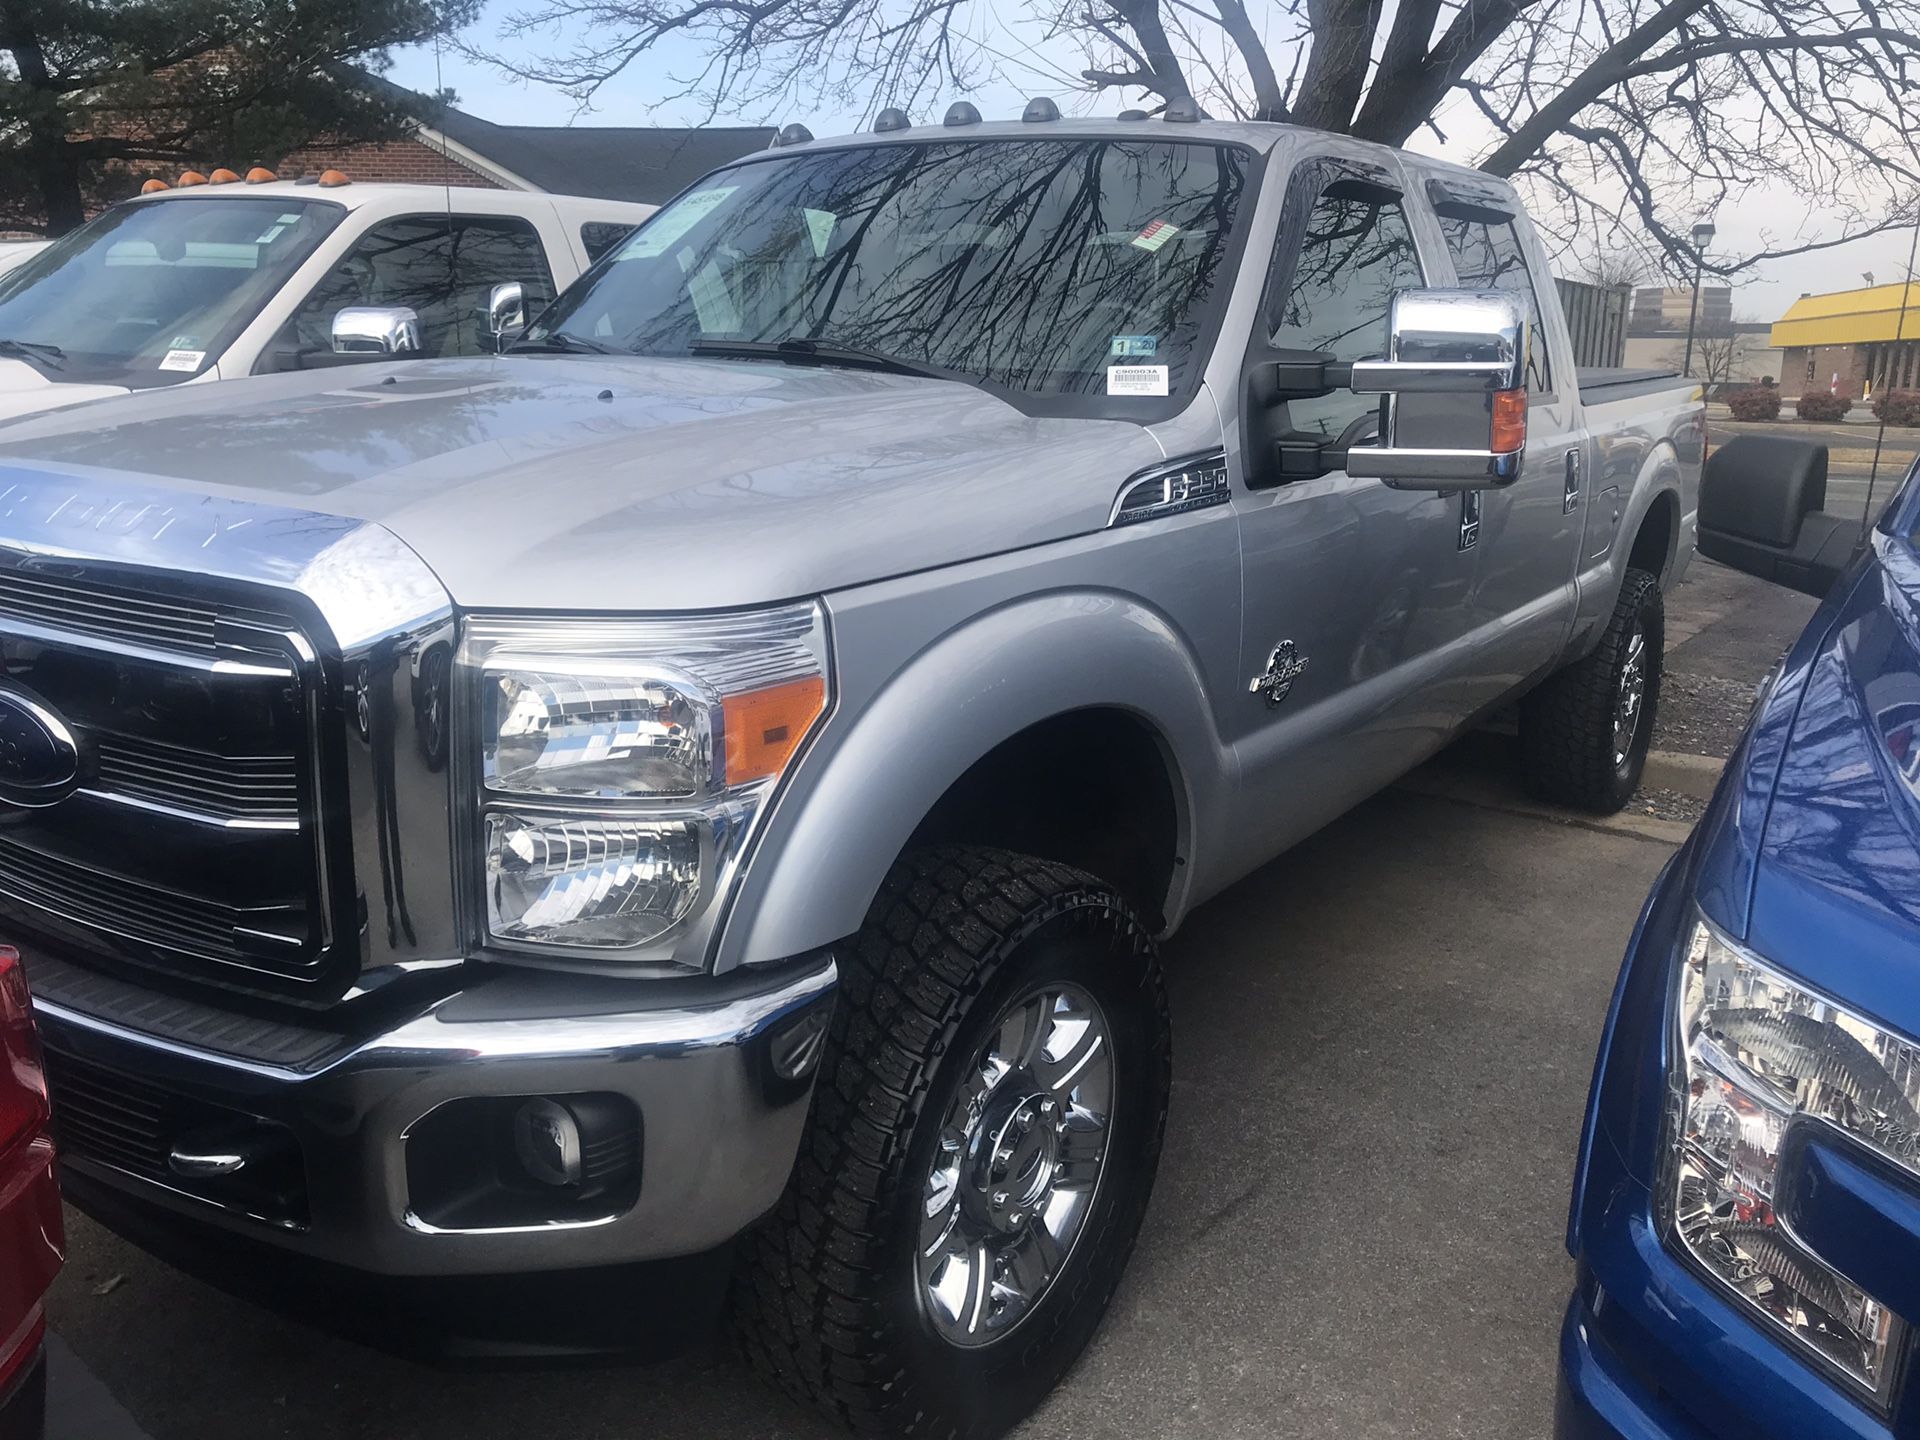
(1136, 379)
(668, 225)
(1135, 345)
(190, 360)
(1156, 235)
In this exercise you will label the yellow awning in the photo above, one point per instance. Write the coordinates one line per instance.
(1851, 317)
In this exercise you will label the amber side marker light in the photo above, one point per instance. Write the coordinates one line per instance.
(223, 176)
(154, 187)
(260, 175)
(765, 727)
(190, 177)
(331, 178)
(1509, 421)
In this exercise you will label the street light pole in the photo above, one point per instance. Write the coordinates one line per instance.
(1702, 233)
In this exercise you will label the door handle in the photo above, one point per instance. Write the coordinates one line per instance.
(1572, 497)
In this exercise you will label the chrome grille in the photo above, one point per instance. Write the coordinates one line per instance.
(259, 788)
(108, 612)
(193, 842)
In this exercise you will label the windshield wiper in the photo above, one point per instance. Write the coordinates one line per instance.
(34, 350)
(821, 352)
(561, 343)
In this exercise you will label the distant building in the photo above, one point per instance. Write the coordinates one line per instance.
(1663, 309)
(1851, 340)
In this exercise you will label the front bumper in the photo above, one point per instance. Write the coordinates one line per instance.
(719, 1121)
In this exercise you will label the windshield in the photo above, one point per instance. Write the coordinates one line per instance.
(151, 293)
(1072, 268)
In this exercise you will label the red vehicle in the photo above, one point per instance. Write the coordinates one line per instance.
(32, 1241)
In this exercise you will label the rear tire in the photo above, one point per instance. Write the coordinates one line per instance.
(1585, 733)
(961, 1211)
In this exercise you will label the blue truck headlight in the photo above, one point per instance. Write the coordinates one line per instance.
(621, 766)
(1759, 1053)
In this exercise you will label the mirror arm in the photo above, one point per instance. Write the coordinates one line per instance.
(1306, 457)
(1309, 376)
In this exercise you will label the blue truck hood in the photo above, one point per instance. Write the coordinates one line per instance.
(1836, 883)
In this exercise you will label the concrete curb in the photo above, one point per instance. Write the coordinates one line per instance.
(1694, 775)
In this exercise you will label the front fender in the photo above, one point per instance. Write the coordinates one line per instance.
(887, 757)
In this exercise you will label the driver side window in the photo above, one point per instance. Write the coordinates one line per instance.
(1356, 252)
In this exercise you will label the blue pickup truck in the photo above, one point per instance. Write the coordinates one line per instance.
(1746, 1207)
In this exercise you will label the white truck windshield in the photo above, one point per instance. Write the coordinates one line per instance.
(151, 293)
(1065, 267)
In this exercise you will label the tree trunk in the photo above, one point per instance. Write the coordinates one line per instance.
(52, 159)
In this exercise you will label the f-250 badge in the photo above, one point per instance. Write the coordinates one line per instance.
(1283, 669)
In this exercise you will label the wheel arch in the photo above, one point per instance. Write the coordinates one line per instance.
(1098, 682)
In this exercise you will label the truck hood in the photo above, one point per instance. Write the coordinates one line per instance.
(623, 483)
(1836, 898)
(25, 391)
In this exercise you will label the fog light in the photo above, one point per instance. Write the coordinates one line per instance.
(546, 1142)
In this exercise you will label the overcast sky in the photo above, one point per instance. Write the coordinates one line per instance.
(633, 99)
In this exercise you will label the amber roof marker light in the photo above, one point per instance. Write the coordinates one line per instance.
(332, 178)
(154, 187)
(260, 175)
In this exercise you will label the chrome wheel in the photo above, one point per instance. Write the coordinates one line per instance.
(1018, 1165)
(1632, 696)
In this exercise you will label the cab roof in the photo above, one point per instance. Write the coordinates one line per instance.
(359, 195)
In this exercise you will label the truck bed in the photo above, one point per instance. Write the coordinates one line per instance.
(1599, 384)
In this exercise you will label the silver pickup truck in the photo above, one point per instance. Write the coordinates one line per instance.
(701, 795)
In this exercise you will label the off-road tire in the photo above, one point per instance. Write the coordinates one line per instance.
(827, 1300)
(1567, 736)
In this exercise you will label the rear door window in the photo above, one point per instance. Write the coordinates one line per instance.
(1487, 255)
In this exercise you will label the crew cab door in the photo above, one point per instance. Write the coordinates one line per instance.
(440, 266)
(1354, 591)
(1522, 599)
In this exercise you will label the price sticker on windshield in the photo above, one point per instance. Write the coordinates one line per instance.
(183, 360)
(669, 225)
(1136, 380)
(1156, 235)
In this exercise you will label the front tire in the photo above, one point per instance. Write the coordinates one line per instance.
(1585, 733)
(983, 1143)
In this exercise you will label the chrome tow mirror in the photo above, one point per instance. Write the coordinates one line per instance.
(1454, 376)
(376, 330)
(506, 313)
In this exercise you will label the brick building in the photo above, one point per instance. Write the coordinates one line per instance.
(1852, 341)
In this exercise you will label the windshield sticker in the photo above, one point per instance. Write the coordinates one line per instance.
(185, 342)
(190, 360)
(1155, 235)
(819, 229)
(669, 225)
(1124, 345)
(1136, 380)
(292, 217)
(271, 234)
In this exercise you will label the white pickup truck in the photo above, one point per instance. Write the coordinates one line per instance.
(213, 281)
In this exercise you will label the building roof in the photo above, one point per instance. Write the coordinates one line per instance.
(1851, 317)
(646, 163)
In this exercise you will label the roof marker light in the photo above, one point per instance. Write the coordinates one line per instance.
(331, 178)
(191, 177)
(961, 113)
(260, 175)
(794, 134)
(1182, 112)
(223, 176)
(154, 187)
(1040, 110)
(1132, 115)
(891, 118)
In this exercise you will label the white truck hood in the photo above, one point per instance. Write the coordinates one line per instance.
(25, 391)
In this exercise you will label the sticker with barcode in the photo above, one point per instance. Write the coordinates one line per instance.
(189, 360)
(1136, 380)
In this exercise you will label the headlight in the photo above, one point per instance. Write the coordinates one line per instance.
(1759, 1053)
(622, 764)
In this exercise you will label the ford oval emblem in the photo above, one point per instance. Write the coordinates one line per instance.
(39, 760)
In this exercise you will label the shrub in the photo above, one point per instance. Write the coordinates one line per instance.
(1754, 402)
(1819, 405)
(1897, 407)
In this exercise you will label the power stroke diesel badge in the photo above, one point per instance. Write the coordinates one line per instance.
(1285, 667)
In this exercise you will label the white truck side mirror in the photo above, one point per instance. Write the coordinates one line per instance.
(376, 330)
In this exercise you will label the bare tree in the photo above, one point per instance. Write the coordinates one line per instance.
(1614, 270)
(1719, 352)
(1627, 118)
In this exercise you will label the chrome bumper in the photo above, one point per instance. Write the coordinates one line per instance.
(719, 1125)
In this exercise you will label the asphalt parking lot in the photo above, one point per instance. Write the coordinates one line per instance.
(1383, 1045)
